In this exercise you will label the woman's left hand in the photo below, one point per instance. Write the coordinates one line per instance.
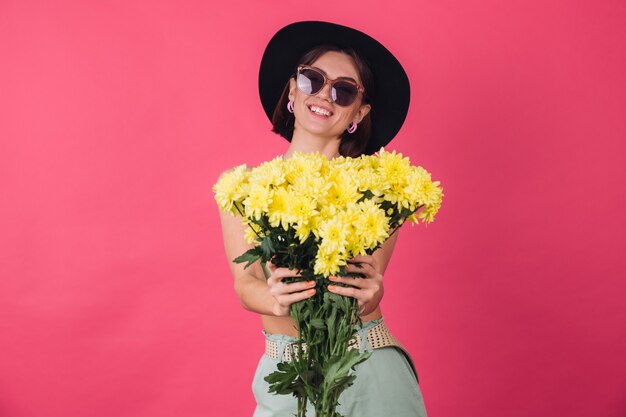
(367, 290)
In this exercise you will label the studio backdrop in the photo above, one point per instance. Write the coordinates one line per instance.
(117, 117)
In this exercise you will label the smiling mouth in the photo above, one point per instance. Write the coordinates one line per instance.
(320, 111)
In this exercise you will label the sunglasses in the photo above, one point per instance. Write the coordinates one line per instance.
(312, 80)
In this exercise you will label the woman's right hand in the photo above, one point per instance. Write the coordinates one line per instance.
(285, 294)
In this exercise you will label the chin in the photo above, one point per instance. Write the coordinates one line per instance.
(320, 131)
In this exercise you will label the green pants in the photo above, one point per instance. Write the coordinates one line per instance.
(386, 386)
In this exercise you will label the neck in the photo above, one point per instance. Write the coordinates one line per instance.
(307, 143)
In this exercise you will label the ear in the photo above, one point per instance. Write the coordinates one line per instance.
(362, 112)
(292, 89)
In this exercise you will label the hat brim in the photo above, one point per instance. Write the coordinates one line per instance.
(289, 44)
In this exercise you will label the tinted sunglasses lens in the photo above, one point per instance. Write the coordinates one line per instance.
(310, 81)
(344, 93)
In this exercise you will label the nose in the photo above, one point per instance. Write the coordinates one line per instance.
(325, 92)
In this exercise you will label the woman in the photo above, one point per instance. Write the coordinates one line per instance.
(330, 89)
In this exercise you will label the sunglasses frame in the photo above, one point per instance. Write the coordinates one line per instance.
(327, 80)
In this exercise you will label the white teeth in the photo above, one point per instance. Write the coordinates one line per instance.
(320, 111)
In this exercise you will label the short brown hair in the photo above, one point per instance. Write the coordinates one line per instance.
(351, 145)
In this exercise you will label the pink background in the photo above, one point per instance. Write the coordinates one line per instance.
(117, 117)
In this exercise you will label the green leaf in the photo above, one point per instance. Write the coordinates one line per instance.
(250, 256)
(337, 368)
(284, 380)
(267, 248)
(318, 323)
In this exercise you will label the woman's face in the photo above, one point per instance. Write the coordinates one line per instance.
(335, 65)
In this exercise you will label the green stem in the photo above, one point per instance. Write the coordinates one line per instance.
(302, 406)
(237, 207)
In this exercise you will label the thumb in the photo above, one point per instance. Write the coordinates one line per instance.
(271, 266)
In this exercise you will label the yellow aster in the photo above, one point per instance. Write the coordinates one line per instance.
(301, 209)
(310, 184)
(354, 245)
(413, 191)
(315, 222)
(231, 188)
(300, 164)
(436, 195)
(341, 189)
(303, 230)
(370, 162)
(269, 173)
(333, 233)
(258, 201)
(432, 193)
(251, 231)
(345, 164)
(371, 180)
(393, 167)
(372, 224)
(421, 188)
(278, 209)
(327, 212)
(328, 261)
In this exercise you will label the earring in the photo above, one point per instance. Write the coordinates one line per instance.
(352, 127)
(290, 106)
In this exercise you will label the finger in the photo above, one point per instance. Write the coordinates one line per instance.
(289, 299)
(367, 259)
(364, 259)
(364, 269)
(277, 279)
(297, 286)
(278, 287)
(289, 271)
(356, 268)
(345, 291)
(356, 282)
(286, 273)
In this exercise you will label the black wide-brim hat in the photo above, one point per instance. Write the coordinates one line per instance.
(391, 101)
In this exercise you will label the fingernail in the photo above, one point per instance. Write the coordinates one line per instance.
(310, 292)
(310, 283)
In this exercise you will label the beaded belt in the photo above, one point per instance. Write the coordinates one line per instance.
(375, 337)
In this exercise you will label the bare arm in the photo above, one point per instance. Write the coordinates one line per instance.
(270, 297)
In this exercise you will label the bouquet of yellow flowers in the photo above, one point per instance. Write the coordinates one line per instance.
(313, 215)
